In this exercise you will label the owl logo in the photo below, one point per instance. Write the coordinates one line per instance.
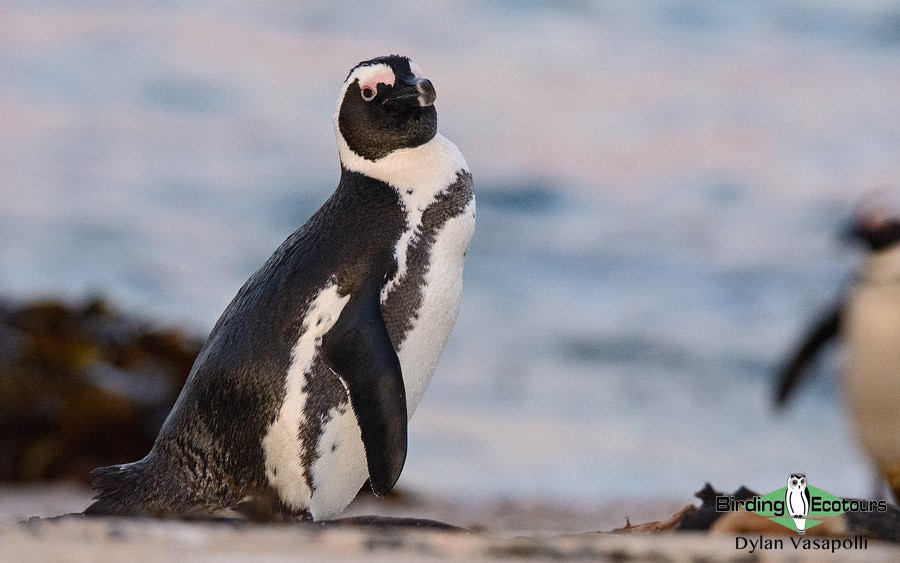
(796, 500)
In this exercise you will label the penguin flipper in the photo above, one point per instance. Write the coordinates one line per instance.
(823, 331)
(359, 350)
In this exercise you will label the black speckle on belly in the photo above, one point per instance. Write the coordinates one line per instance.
(324, 393)
(405, 299)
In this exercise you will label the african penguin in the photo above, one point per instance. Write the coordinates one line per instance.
(867, 318)
(307, 382)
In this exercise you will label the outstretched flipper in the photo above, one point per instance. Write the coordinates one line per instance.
(822, 332)
(359, 350)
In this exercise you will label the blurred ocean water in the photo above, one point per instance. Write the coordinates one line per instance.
(660, 184)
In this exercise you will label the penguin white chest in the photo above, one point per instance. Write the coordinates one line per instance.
(422, 299)
(419, 303)
(441, 289)
(872, 371)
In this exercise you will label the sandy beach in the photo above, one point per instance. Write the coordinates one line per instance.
(31, 529)
(500, 516)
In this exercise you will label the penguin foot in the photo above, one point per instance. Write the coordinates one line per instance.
(265, 506)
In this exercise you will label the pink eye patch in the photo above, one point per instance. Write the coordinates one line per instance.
(370, 77)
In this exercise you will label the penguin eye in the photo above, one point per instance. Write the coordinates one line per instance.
(793, 481)
(368, 93)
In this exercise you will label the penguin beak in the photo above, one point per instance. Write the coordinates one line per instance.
(414, 91)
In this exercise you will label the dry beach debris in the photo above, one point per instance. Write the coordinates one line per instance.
(82, 386)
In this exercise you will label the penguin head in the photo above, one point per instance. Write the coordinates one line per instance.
(385, 105)
(876, 222)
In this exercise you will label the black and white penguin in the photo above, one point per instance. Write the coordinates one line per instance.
(868, 320)
(307, 382)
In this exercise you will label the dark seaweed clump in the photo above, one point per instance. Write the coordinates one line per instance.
(82, 386)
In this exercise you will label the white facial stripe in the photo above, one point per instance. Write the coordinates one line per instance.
(370, 77)
(372, 82)
(416, 69)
